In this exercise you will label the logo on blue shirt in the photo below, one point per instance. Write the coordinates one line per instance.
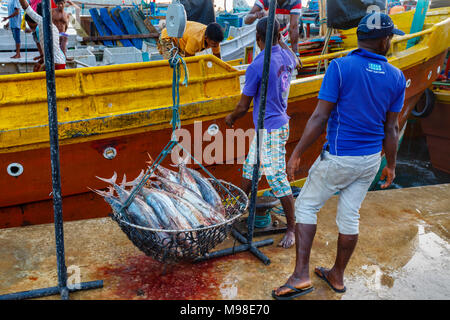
(375, 67)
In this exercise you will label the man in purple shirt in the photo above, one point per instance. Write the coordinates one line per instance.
(276, 121)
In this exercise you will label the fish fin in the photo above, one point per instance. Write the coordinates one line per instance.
(111, 180)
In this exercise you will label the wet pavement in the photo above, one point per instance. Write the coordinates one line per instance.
(402, 253)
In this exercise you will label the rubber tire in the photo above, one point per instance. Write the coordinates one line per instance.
(429, 105)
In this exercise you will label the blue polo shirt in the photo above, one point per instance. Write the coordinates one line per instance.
(282, 64)
(364, 87)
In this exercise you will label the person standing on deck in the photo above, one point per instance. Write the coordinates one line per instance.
(197, 37)
(58, 55)
(276, 122)
(360, 99)
(287, 14)
(61, 20)
(34, 29)
(14, 24)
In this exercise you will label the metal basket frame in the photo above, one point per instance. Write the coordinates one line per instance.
(171, 246)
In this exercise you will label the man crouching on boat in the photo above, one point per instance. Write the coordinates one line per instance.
(59, 58)
(360, 99)
(276, 121)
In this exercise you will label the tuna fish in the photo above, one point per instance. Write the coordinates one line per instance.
(139, 211)
(195, 200)
(190, 212)
(208, 192)
(186, 179)
(165, 209)
(164, 172)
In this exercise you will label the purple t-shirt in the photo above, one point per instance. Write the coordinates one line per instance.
(282, 64)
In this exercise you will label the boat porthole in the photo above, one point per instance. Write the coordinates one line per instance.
(110, 153)
(438, 70)
(209, 64)
(430, 74)
(408, 83)
(213, 129)
(14, 169)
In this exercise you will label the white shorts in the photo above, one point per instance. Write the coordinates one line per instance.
(351, 176)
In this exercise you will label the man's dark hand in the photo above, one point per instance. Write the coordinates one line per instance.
(260, 14)
(229, 120)
(387, 174)
(292, 167)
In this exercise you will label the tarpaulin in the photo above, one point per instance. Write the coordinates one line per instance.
(346, 14)
(199, 10)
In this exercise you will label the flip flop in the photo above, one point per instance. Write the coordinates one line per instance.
(322, 276)
(293, 294)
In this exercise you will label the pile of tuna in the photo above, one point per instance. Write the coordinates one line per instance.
(170, 200)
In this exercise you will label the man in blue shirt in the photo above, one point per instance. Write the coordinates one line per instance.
(14, 23)
(360, 99)
(276, 121)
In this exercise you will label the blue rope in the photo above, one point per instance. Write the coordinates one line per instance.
(174, 63)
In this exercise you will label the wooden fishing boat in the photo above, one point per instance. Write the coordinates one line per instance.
(110, 117)
(436, 129)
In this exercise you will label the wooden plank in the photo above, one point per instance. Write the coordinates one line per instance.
(121, 37)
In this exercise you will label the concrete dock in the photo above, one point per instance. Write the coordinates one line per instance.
(403, 253)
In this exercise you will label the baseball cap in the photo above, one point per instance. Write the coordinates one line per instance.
(377, 25)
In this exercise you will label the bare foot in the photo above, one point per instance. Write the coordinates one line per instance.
(294, 282)
(15, 56)
(288, 240)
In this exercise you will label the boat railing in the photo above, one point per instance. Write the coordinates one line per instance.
(402, 39)
(395, 46)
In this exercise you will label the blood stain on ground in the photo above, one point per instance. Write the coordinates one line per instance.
(141, 277)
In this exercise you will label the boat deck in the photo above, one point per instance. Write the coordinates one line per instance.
(402, 253)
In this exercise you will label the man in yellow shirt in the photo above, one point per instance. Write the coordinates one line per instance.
(197, 37)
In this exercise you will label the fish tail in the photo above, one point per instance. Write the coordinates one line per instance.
(134, 182)
(111, 180)
(150, 161)
(102, 193)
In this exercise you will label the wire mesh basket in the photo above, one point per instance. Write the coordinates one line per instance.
(171, 246)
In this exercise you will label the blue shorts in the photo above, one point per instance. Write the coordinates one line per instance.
(16, 34)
